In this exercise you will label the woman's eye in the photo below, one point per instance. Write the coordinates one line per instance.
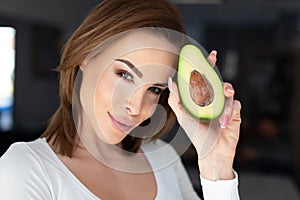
(125, 75)
(155, 90)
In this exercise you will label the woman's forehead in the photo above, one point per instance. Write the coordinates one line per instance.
(137, 39)
(151, 54)
(132, 41)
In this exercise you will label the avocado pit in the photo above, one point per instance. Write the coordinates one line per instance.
(201, 90)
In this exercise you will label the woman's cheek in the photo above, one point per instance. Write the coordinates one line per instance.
(151, 104)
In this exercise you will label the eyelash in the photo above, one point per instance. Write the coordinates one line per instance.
(128, 77)
(155, 90)
(125, 75)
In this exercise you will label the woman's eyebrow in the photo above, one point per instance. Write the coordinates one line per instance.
(131, 66)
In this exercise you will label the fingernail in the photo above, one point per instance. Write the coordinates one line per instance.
(230, 89)
(224, 121)
(213, 52)
(170, 84)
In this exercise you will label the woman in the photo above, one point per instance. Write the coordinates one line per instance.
(117, 99)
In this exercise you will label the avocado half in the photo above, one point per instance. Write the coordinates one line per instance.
(200, 87)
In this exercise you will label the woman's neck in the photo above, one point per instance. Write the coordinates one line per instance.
(109, 154)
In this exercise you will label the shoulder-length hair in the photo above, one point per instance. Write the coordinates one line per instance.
(106, 20)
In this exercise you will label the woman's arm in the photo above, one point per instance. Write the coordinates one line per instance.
(212, 190)
(217, 161)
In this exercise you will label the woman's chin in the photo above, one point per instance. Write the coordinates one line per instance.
(113, 137)
(113, 140)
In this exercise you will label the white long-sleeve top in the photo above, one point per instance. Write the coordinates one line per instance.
(31, 170)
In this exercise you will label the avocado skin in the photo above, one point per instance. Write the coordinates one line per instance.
(191, 58)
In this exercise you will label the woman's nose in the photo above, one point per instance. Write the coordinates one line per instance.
(134, 104)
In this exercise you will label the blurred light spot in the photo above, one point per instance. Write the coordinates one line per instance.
(7, 67)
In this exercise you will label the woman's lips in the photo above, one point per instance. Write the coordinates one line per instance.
(121, 124)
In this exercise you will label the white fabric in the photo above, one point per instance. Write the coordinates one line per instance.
(31, 170)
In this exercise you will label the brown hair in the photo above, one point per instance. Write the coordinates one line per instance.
(107, 19)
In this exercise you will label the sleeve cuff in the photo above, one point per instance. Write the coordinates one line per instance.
(220, 189)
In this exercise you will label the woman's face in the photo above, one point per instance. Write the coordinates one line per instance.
(128, 90)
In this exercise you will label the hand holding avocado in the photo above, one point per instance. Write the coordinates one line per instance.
(222, 118)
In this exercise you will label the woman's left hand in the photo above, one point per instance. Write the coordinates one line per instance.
(217, 164)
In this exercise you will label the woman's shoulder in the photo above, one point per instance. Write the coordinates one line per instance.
(23, 164)
(24, 154)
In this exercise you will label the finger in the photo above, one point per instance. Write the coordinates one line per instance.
(228, 90)
(227, 112)
(186, 121)
(174, 99)
(236, 111)
(212, 58)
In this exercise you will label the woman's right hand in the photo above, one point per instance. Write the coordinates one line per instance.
(217, 164)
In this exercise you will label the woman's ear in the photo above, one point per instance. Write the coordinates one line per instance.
(83, 65)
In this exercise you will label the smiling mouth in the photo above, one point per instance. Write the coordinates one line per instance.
(121, 126)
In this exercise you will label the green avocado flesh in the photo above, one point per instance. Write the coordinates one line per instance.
(200, 87)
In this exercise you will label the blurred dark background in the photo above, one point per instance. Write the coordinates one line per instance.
(258, 44)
